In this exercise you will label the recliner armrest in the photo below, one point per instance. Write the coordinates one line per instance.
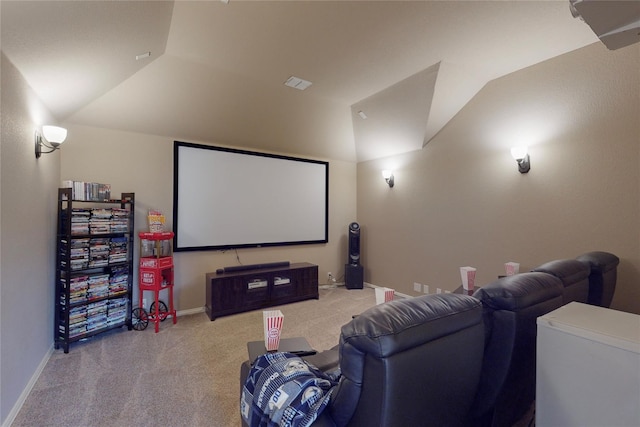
(603, 276)
(600, 261)
(326, 361)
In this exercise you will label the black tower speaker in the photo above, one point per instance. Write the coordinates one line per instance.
(354, 243)
(353, 272)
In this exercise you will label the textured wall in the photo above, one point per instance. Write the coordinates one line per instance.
(27, 276)
(461, 201)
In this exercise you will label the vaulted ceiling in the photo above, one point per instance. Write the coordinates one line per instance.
(216, 70)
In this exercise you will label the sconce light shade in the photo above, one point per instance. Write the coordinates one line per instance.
(518, 152)
(388, 176)
(521, 156)
(54, 135)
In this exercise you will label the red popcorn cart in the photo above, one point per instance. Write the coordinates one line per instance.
(155, 275)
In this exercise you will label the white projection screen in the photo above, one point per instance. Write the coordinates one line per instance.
(226, 198)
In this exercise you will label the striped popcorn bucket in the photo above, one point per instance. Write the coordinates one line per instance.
(272, 328)
(511, 268)
(384, 295)
(388, 295)
(468, 276)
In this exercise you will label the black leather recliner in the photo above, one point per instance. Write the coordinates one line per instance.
(412, 362)
(603, 276)
(574, 276)
(409, 362)
(511, 306)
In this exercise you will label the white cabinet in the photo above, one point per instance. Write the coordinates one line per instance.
(588, 367)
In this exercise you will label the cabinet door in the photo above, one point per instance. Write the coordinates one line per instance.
(284, 285)
(236, 294)
(308, 282)
(226, 295)
(256, 290)
(294, 284)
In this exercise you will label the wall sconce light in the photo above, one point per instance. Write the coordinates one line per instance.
(54, 135)
(388, 176)
(522, 157)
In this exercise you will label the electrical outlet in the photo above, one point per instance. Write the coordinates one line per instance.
(417, 287)
(425, 289)
(438, 290)
(330, 278)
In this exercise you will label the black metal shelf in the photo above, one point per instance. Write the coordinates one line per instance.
(65, 274)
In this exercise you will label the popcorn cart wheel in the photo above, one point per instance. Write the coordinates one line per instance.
(163, 311)
(139, 319)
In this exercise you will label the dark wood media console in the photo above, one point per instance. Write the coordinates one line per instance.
(230, 293)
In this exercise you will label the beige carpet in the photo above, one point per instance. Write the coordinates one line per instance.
(185, 375)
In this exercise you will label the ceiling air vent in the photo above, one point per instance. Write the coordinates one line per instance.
(297, 83)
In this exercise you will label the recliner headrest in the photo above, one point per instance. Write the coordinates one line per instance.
(520, 291)
(397, 325)
(568, 270)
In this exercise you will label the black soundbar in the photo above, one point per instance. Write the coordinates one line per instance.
(235, 268)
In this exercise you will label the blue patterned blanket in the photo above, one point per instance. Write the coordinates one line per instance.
(284, 390)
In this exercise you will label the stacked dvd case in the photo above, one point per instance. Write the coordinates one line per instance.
(99, 252)
(98, 286)
(88, 191)
(118, 250)
(119, 279)
(117, 311)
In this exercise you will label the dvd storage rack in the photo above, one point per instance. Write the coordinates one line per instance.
(94, 266)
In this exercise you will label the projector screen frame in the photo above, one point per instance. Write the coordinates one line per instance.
(181, 247)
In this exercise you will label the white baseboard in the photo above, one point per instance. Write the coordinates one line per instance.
(25, 393)
(368, 285)
(400, 294)
(190, 311)
(331, 285)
